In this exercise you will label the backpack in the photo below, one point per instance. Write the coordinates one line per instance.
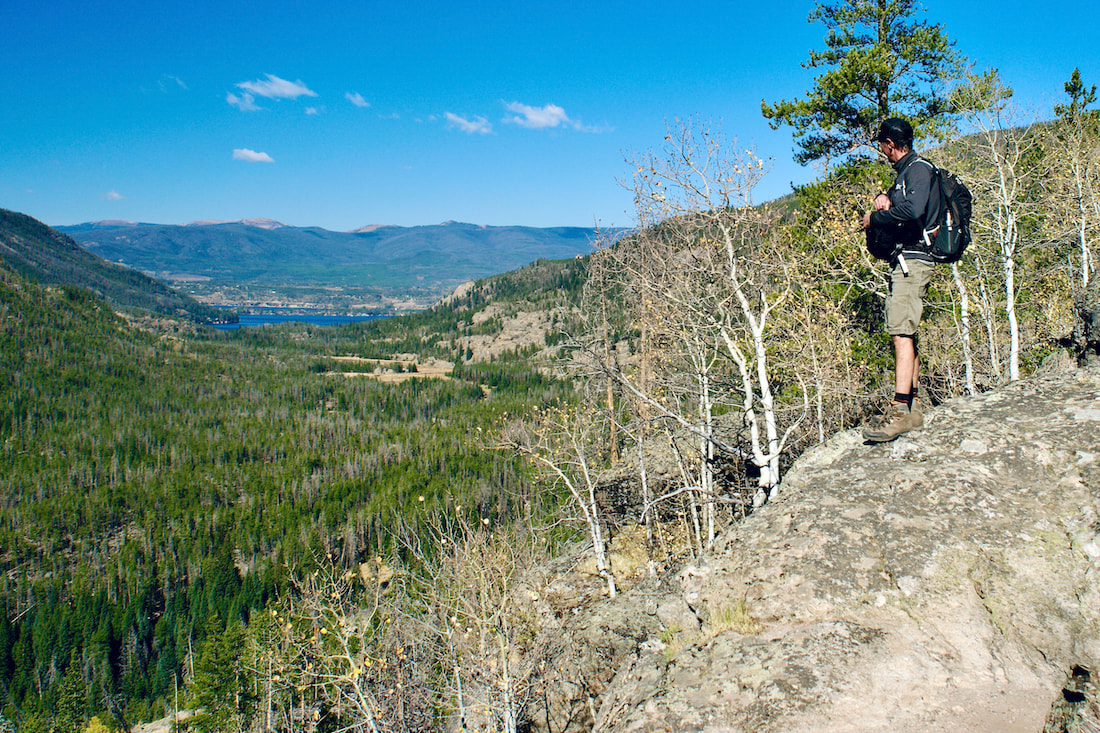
(949, 238)
(883, 243)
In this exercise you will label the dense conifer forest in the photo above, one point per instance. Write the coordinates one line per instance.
(158, 488)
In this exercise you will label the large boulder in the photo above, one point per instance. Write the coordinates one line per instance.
(949, 580)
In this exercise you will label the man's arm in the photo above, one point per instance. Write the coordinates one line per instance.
(918, 184)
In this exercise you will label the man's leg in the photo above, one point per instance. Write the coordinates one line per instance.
(905, 365)
(904, 307)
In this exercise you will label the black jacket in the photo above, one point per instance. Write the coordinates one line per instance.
(914, 200)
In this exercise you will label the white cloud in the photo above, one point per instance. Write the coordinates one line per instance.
(478, 125)
(113, 195)
(312, 111)
(276, 88)
(538, 118)
(251, 156)
(245, 102)
(357, 99)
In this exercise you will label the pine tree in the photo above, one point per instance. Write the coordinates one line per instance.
(220, 687)
(879, 61)
(1079, 96)
(71, 700)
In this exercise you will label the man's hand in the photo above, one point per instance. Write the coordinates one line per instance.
(881, 203)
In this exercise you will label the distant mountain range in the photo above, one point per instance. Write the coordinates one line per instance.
(426, 260)
(37, 252)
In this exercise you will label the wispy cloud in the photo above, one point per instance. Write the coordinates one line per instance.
(312, 111)
(113, 195)
(276, 88)
(246, 102)
(167, 82)
(538, 118)
(478, 125)
(251, 156)
(548, 116)
(357, 99)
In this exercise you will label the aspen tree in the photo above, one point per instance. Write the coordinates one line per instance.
(1076, 172)
(1003, 159)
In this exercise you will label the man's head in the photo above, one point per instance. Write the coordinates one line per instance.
(895, 138)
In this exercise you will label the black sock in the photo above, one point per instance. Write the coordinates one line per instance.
(913, 396)
(906, 398)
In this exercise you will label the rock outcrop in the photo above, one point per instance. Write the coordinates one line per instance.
(948, 581)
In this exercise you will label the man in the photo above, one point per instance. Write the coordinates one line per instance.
(902, 213)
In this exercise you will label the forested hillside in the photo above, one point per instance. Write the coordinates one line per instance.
(41, 254)
(158, 490)
(372, 266)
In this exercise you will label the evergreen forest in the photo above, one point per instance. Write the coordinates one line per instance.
(161, 488)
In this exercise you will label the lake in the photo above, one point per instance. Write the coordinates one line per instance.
(252, 320)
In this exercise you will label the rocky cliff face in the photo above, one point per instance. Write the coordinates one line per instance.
(948, 581)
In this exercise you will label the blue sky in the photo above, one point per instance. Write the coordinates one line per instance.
(343, 114)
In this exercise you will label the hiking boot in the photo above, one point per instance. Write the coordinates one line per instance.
(917, 412)
(897, 419)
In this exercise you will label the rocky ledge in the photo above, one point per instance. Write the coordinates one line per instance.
(948, 581)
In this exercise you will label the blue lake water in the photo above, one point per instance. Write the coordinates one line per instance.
(252, 320)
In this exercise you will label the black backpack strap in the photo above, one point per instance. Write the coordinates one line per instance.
(925, 229)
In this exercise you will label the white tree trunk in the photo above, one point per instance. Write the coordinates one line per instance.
(964, 329)
(990, 331)
(1008, 250)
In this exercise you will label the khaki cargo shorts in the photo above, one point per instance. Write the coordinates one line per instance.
(905, 301)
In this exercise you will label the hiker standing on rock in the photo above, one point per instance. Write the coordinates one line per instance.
(899, 218)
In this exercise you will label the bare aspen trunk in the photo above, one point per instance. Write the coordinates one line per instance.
(767, 405)
(819, 405)
(508, 712)
(706, 454)
(1082, 220)
(1013, 325)
(647, 498)
(595, 529)
(1086, 255)
(990, 332)
(643, 427)
(612, 437)
(693, 502)
(964, 329)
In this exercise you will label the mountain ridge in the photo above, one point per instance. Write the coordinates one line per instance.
(376, 262)
(37, 252)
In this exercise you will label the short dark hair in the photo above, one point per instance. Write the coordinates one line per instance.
(898, 131)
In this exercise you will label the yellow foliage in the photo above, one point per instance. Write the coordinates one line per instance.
(95, 725)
